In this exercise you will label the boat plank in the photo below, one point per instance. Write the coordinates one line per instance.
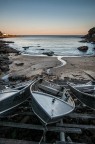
(78, 126)
(61, 142)
(71, 115)
(81, 116)
(14, 141)
(40, 127)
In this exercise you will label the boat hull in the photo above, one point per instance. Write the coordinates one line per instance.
(87, 99)
(47, 110)
(10, 100)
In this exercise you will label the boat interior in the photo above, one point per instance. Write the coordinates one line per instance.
(90, 89)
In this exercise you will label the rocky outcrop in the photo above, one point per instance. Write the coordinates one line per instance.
(90, 37)
(4, 48)
(4, 53)
(83, 48)
(4, 63)
(1, 34)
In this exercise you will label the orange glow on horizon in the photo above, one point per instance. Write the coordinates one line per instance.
(46, 32)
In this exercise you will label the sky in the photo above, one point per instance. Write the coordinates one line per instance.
(47, 17)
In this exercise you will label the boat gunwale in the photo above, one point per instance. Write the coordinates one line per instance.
(1, 112)
(74, 87)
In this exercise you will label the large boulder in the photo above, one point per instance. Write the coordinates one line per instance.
(83, 48)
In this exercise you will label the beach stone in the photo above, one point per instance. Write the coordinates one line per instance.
(19, 64)
(83, 48)
(50, 53)
(25, 48)
(40, 49)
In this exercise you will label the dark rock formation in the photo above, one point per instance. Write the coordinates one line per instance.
(90, 37)
(83, 48)
(4, 53)
(40, 49)
(9, 42)
(1, 33)
(4, 48)
(19, 64)
(17, 77)
(50, 53)
(4, 63)
(27, 47)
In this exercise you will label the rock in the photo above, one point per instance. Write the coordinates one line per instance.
(90, 37)
(7, 49)
(18, 53)
(83, 41)
(91, 31)
(9, 42)
(4, 53)
(51, 53)
(83, 48)
(4, 62)
(26, 47)
(17, 77)
(19, 64)
(4, 68)
(40, 49)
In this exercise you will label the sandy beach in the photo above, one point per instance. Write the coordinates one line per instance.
(75, 68)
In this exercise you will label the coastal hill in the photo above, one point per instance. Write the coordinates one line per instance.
(4, 35)
(90, 37)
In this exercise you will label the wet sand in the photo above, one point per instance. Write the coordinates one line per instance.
(76, 67)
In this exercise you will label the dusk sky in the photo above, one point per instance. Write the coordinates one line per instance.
(42, 17)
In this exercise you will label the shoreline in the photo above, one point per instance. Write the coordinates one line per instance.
(74, 67)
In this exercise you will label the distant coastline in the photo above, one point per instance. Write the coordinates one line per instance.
(7, 36)
(49, 35)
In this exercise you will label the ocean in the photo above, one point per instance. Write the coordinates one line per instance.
(63, 45)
